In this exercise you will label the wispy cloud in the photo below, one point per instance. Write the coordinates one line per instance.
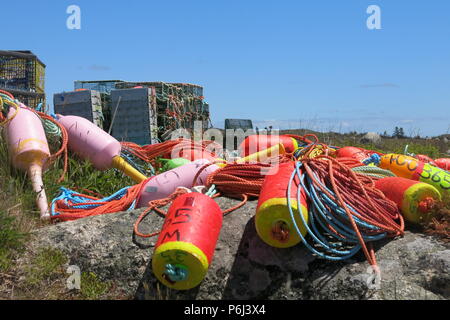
(96, 67)
(380, 85)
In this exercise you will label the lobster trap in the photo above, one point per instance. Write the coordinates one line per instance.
(23, 74)
(178, 105)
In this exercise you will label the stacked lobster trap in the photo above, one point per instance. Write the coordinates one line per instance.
(23, 74)
(140, 112)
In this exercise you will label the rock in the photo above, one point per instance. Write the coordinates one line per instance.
(244, 267)
(371, 137)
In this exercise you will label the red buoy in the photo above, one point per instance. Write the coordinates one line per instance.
(273, 219)
(424, 158)
(415, 199)
(443, 163)
(187, 241)
(256, 143)
(354, 153)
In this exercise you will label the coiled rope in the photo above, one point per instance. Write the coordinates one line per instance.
(347, 213)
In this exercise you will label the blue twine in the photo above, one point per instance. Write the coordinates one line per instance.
(80, 202)
(325, 211)
(176, 273)
(374, 158)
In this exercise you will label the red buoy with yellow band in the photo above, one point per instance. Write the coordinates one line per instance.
(187, 241)
(256, 143)
(411, 168)
(273, 220)
(415, 200)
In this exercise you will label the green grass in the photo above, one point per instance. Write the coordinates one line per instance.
(11, 240)
(16, 192)
(47, 263)
(92, 288)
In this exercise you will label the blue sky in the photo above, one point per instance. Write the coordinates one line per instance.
(295, 63)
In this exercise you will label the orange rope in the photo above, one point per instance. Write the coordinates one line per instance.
(149, 153)
(369, 204)
(235, 181)
(154, 205)
(70, 211)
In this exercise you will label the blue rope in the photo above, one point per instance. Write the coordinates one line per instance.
(375, 159)
(80, 202)
(176, 273)
(325, 211)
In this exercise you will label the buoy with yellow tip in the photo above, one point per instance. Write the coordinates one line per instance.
(264, 155)
(256, 143)
(187, 241)
(92, 143)
(415, 200)
(273, 220)
(411, 168)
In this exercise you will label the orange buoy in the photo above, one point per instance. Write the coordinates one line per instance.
(256, 143)
(273, 219)
(187, 241)
(443, 163)
(411, 168)
(414, 199)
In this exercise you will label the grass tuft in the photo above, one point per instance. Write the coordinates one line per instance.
(47, 263)
(92, 288)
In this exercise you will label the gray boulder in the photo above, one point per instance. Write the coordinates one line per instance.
(244, 267)
(371, 137)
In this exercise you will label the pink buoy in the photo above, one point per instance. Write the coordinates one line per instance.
(90, 142)
(29, 150)
(164, 184)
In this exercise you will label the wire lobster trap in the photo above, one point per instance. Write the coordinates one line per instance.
(179, 105)
(23, 74)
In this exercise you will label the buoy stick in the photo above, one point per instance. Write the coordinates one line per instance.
(35, 172)
(120, 164)
(264, 155)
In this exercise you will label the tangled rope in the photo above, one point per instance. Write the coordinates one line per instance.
(347, 213)
(150, 153)
(240, 181)
(71, 205)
